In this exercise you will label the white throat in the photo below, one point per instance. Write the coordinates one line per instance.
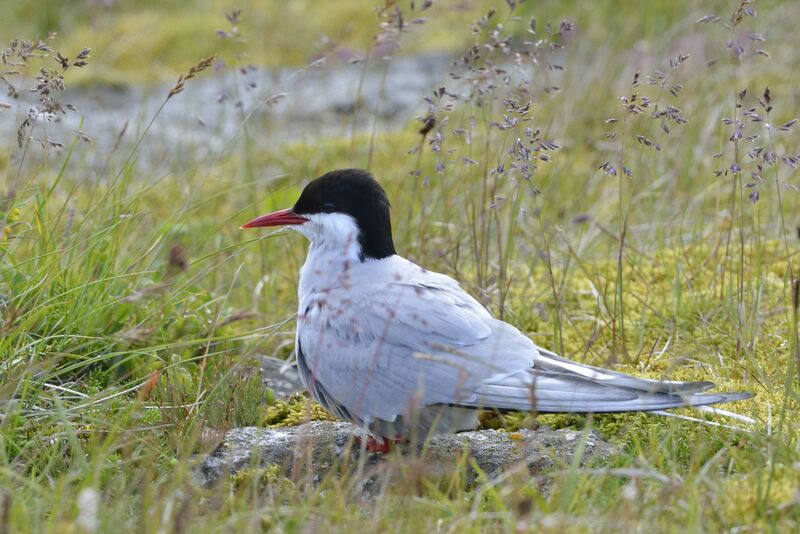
(333, 251)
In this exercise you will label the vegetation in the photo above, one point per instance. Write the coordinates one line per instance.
(618, 183)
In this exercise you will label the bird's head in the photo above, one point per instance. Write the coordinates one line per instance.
(337, 208)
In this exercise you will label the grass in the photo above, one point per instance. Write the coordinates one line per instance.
(139, 41)
(133, 308)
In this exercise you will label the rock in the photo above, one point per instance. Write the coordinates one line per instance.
(314, 450)
(280, 376)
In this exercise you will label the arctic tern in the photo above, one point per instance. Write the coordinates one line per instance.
(402, 351)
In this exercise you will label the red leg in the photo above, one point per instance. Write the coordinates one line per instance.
(382, 446)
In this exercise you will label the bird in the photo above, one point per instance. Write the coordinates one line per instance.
(404, 352)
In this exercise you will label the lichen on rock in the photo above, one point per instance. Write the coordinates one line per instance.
(318, 449)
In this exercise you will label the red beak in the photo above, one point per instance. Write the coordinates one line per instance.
(276, 218)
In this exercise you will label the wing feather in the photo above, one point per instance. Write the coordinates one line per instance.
(406, 338)
(410, 340)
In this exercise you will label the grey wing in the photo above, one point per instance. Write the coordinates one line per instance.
(387, 349)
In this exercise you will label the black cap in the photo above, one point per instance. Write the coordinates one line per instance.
(356, 193)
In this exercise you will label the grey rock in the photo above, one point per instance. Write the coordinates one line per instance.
(314, 450)
(280, 376)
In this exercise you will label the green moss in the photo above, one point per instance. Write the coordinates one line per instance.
(295, 410)
(267, 478)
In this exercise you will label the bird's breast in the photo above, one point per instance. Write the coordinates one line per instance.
(311, 307)
(325, 270)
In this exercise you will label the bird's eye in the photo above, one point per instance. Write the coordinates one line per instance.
(328, 207)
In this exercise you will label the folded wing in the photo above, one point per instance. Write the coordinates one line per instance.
(383, 349)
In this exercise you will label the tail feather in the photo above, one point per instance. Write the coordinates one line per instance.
(558, 385)
(552, 362)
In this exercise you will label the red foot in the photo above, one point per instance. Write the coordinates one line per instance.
(382, 446)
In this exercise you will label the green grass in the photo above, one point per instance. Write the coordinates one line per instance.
(150, 41)
(134, 308)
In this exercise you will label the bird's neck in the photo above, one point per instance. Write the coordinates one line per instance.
(328, 266)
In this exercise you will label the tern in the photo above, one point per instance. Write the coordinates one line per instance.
(402, 351)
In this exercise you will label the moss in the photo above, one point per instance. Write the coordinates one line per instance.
(294, 410)
(97, 380)
(510, 422)
(269, 477)
(557, 421)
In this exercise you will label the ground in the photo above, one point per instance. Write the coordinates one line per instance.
(640, 214)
